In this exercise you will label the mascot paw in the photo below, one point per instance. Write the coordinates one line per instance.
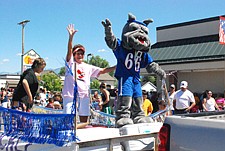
(123, 121)
(106, 23)
(142, 120)
(155, 68)
(110, 39)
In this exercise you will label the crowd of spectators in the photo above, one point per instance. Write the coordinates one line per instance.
(48, 99)
(204, 102)
(43, 98)
(206, 98)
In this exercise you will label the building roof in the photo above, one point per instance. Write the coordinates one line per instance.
(106, 77)
(190, 22)
(205, 48)
(149, 87)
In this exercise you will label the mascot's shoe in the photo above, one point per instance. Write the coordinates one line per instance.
(138, 114)
(142, 119)
(123, 121)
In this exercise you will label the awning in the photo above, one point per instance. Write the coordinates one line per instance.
(12, 83)
(196, 49)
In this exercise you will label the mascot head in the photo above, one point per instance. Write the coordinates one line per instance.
(135, 34)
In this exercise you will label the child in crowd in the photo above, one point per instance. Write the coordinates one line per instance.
(50, 103)
(96, 101)
(147, 104)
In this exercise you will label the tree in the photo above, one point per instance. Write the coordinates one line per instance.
(94, 84)
(51, 81)
(62, 71)
(147, 78)
(99, 62)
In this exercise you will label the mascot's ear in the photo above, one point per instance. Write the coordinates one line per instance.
(131, 17)
(147, 21)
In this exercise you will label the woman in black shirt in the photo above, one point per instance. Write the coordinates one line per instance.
(105, 99)
(27, 87)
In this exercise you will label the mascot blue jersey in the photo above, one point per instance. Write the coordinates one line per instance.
(128, 70)
(130, 62)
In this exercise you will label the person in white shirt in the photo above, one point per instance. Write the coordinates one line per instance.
(209, 103)
(74, 61)
(183, 98)
(43, 97)
(171, 96)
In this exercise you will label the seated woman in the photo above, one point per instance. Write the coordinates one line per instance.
(198, 104)
(57, 105)
(162, 106)
(209, 103)
(50, 103)
(220, 101)
(58, 97)
(96, 101)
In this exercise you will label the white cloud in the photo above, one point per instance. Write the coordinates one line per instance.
(46, 58)
(5, 60)
(102, 50)
(19, 54)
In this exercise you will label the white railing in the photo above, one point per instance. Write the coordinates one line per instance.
(110, 142)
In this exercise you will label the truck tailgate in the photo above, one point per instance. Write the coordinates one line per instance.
(196, 134)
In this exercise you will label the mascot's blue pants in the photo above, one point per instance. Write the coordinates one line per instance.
(129, 86)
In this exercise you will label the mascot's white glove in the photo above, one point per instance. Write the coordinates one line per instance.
(155, 68)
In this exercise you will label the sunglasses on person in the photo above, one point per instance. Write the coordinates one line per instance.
(79, 52)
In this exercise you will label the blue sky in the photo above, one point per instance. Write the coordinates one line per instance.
(46, 32)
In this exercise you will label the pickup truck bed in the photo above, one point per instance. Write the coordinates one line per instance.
(193, 132)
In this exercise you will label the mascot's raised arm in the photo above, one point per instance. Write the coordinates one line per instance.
(132, 54)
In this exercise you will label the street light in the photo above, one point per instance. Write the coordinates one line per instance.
(90, 54)
(23, 23)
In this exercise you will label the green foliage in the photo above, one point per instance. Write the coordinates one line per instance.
(94, 84)
(112, 73)
(152, 79)
(51, 81)
(62, 71)
(98, 61)
(116, 84)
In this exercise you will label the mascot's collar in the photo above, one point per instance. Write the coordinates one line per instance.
(129, 21)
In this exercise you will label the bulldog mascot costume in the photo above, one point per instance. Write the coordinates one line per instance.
(132, 54)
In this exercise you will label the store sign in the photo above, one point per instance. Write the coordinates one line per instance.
(28, 59)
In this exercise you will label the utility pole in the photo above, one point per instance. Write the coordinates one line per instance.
(23, 23)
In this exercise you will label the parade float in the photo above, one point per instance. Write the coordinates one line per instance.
(48, 129)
